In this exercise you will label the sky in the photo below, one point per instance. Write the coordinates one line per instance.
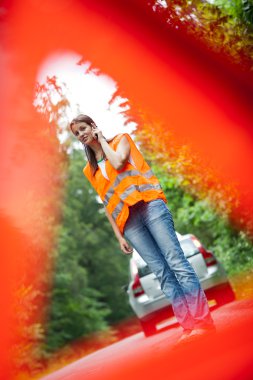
(89, 92)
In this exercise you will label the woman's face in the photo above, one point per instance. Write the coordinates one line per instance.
(83, 132)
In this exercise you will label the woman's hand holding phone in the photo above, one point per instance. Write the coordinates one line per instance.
(97, 133)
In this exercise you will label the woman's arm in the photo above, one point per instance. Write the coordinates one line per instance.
(118, 158)
(125, 247)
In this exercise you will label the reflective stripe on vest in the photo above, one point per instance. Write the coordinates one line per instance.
(140, 188)
(132, 173)
(130, 189)
(117, 210)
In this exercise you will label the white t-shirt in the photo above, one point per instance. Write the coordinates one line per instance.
(101, 165)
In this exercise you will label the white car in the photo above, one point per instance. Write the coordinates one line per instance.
(148, 301)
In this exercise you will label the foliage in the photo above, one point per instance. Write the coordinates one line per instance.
(196, 212)
(225, 27)
(29, 333)
(39, 208)
(89, 270)
(184, 165)
(50, 100)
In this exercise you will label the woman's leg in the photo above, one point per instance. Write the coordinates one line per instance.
(159, 222)
(141, 239)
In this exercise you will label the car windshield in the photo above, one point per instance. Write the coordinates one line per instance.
(187, 246)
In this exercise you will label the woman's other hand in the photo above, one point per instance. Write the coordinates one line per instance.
(125, 247)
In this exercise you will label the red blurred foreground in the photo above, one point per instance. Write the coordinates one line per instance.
(200, 99)
(228, 355)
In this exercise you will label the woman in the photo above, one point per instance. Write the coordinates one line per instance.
(136, 208)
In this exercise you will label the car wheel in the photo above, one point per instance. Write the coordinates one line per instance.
(148, 327)
(226, 295)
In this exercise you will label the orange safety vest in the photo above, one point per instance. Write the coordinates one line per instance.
(126, 187)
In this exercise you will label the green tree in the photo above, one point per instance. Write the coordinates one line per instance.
(89, 268)
(225, 27)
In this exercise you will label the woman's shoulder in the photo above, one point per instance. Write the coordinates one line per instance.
(117, 138)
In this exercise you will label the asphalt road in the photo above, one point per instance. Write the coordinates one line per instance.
(226, 355)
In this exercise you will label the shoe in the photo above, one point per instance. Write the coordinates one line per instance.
(191, 335)
(184, 336)
(202, 332)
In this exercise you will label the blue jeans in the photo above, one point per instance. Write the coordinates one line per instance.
(150, 230)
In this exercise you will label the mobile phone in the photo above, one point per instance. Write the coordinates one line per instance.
(96, 135)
